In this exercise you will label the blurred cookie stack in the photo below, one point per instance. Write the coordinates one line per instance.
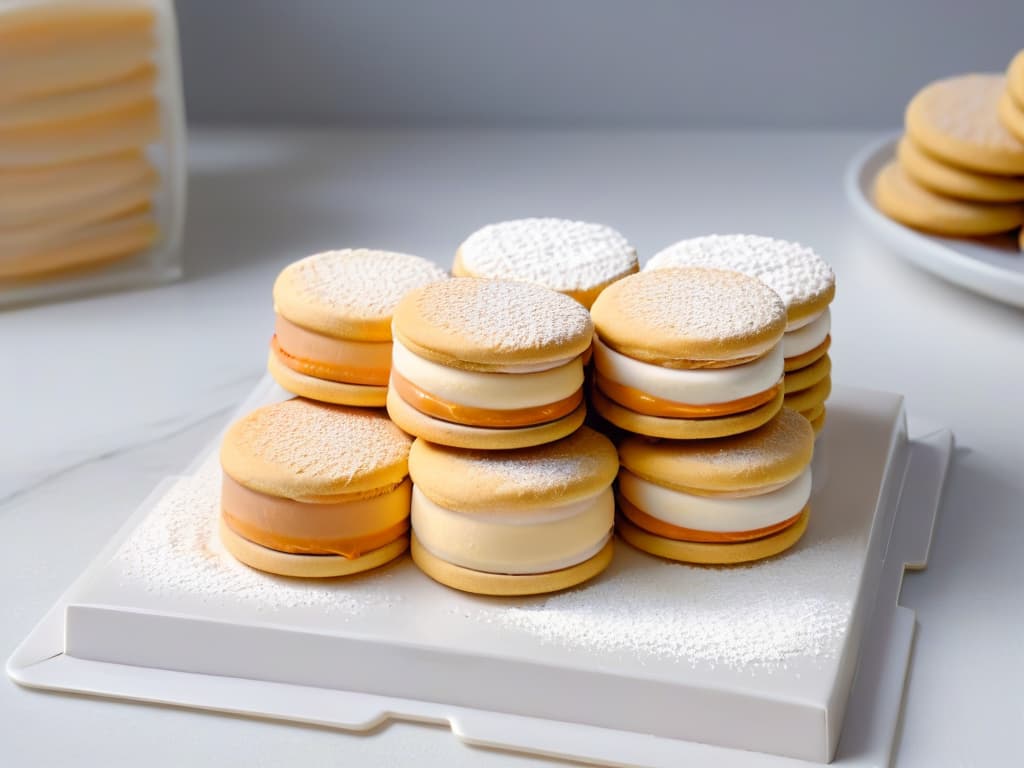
(82, 109)
(959, 170)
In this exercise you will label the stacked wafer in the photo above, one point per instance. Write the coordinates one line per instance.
(805, 283)
(959, 169)
(78, 108)
(694, 357)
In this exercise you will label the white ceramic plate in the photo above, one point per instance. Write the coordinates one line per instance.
(993, 267)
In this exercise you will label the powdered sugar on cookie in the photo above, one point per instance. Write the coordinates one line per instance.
(561, 254)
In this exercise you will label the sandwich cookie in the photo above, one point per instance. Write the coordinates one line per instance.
(518, 522)
(315, 490)
(572, 257)
(949, 180)
(688, 353)
(332, 334)
(488, 364)
(957, 120)
(718, 502)
(802, 279)
(901, 198)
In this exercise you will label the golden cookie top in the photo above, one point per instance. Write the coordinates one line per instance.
(958, 120)
(351, 293)
(802, 279)
(561, 472)
(487, 324)
(769, 455)
(1015, 79)
(309, 451)
(689, 316)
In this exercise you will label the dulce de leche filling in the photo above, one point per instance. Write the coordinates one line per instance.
(324, 357)
(676, 533)
(439, 408)
(346, 528)
(647, 404)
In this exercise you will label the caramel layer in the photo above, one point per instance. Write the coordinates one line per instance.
(349, 528)
(345, 374)
(424, 402)
(649, 405)
(666, 530)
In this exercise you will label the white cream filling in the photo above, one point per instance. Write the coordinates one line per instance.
(700, 386)
(494, 391)
(807, 337)
(515, 541)
(716, 514)
(796, 324)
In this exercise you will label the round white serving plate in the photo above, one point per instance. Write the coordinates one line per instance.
(993, 266)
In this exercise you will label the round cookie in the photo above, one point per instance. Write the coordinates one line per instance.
(704, 553)
(493, 364)
(818, 422)
(957, 120)
(719, 501)
(576, 258)
(806, 399)
(332, 333)
(901, 198)
(808, 376)
(1015, 79)
(1011, 114)
(690, 317)
(797, 362)
(802, 279)
(514, 522)
(315, 489)
(949, 180)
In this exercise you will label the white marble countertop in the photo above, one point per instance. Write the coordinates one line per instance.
(105, 396)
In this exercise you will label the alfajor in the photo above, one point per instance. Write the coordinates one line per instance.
(315, 490)
(332, 334)
(514, 522)
(717, 502)
(488, 364)
(802, 279)
(576, 258)
(688, 353)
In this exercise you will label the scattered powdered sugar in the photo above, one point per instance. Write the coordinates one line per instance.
(316, 441)
(695, 303)
(499, 315)
(561, 254)
(357, 283)
(176, 550)
(967, 108)
(761, 616)
(792, 270)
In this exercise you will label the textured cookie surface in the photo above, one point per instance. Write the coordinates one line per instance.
(903, 199)
(678, 316)
(572, 468)
(802, 279)
(957, 120)
(350, 293)
(471, 322)
(774, 453)
(956, 182)
(311, 451)
(568, 256)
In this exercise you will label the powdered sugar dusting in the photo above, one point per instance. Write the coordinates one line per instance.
(502, 315)
(550, 471)
(967, 108)
(761, 616)
(317, 441)
(176, 550)
(561, 254)
(359, 284)
(707, 304)
(794, 271)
